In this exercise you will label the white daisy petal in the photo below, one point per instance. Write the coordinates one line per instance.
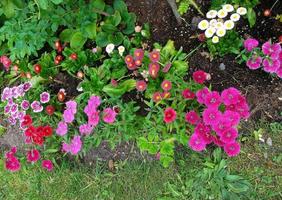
(213, 23)
(211, 14)
(228, 7)
(242, 11)
(219, 25)
(220, 32)
(222, 13)
(210, 32)
(215, 39)
(203, 25)
(235, 17)
(229, 24)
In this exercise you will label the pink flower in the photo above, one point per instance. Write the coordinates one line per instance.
(76, 145)
(36, 106)
(6, 94)
(243, 110)
(109, 115)
(232, 117)
(166, 85)
(157, 96)
(166, 67)
(14, 108)
(211, 116)
(25, 105)
(169, 115)
(12, 164)
(188, 94)
(68, 116)
(213, 99)
(254, 62)
(196, 143)
(271, 50)
(250, 44)
(154, 56)
(44, 97)
(27, 86)
(33, 155)
(71, 105)
(47, 164)
(154, 69)
(141, 86)
(229, 135)
(201, 95)
(192, 117)
(279, 71)
(93, 103)
(62, 128)
(199, 76)
(230, 96)
(216, 140)
(271, 66)
(85, 129)
(139, 54)
(6, 62)
(94, 118)
(221, 125)
(232, 149)
(204, 132)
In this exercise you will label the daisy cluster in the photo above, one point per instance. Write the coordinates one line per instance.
(269, 56)
(216, 25)
(93, 115)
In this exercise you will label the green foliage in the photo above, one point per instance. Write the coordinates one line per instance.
(185, 4)
(231, 43)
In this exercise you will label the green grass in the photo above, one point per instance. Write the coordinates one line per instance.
(148, 180)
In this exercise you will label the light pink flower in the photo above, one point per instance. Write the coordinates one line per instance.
(85, 129)
(44, 97)
(109, 115)
(93, 118)
(68, 116)
(36, 106)
(72, 106)
(76, 145)
(62, 128)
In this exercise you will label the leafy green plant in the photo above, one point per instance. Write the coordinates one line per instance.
(185, 4)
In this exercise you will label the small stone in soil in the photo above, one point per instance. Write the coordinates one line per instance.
(222, 66)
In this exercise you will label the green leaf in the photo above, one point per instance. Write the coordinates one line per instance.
(66, 35)
(168, 49)
(57, 1)
(116, 39)
(117, 91)
(99, 4)
(77, 40)
(120, 5)
(102, 39)
(143, 143)
(115, 19)
(43, 4)
(90, 29)
(251, 14)
(9, 9)
(109, 28)
(166, 160)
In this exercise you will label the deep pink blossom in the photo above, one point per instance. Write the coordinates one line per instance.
(232, 149)
(169, 115)
(201, 95)
(139, 54)
(12, 164)
(230, 96)
(141, 85)
(27, 86)
(270, 66)
(221, 125)
(250, 44)
(197, 143)
(93, 103)
(33, 155)
(216, 140)
(36, 106)
(62, 128)
(25, 105)
(166, 85)
(192, 117)
(47, 164)
(199, 76)
(271, 50)
(232, 116)
(109, 115)
(229, 135)
(204, 132)
(243, 110)
(279, 71)
(213, 99)
(154, 56)
(94, 118)
(188, 94)
(254, 62)
(44, 97)
(211, 116)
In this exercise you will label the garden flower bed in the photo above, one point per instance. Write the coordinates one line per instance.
(126, 80)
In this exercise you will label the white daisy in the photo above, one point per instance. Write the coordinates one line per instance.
(203, 25)
(235, 17)
(219, 25)
(213, 23)
(109, 48)
(210, 32)
(229, 24)
(215, 39)
(222, 13)
(211, 14)
(242, 11)
(228, 7)
(220, 32)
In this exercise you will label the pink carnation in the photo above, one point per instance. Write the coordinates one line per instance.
(76, 145)
(36, 106)
(271, 50)
(44, 97)
(254, 62)
(85, 129)
(192, 117)
(232, 149)
(47, 164)
(109, 115)
(203, 131)
(33, 155)
(188, 94)
(232, 117)
(71, 105)
(250, 44)
(201, 95)
(211, 116)
(270, 66)
(221, 125)
(62, 128)
(68, 116)
(93, 118)
(230, 96)
(229, 135)
(169, 115)
(199, 76)
(213, 99)
(196, 143)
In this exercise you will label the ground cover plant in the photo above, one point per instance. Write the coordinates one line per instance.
(100, 85)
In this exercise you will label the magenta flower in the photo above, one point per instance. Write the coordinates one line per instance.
(271, 50)
(216, 140)
(93, 104)
(232, 149)
(197, 143)
(85, 129)
(109, 115)
(62, 128)
(71, 105)
(36, 106)
(7, 109)
(44, 97)
(192, 117)
(203, 131)
(188, 94)
(47, 164)
(211, 116)
(76, 145)
(254, 62)
(25, 105)
(229, 135)
(169, 115)
(14, 108)
(243, 110)
(271, 66)
(232, 117)
(68, 116)
(33, 155)
(213, 99)
(221, 125)
(12, 164)
(94, 118)
(27, 86)
(230, 96)
(250, 44)
(199, 76)
(279, 71)
(201, 95)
